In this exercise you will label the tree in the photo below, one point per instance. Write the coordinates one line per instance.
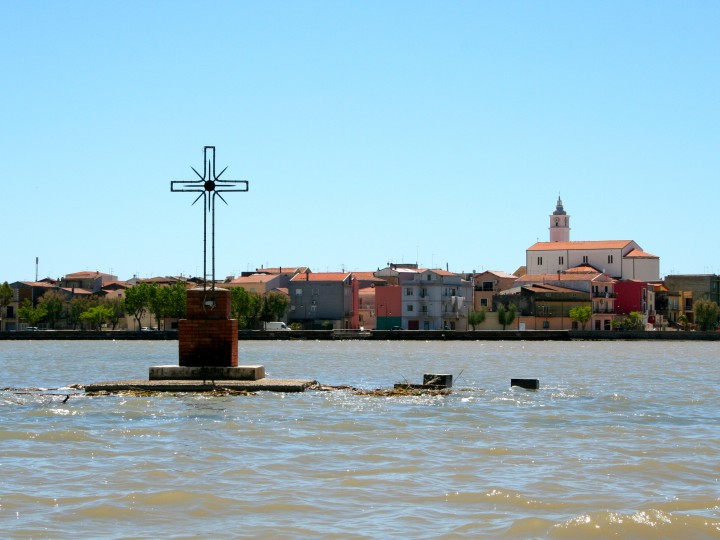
(706, 314)
(245, 306)
(239, 301)
(6, 296)
(156, 302)
(32, 315)
(265, 314)
(96, 315)
(506, 315)
(76, 307)
(476, 318)
(176, 300)
(276, 305)
(253, 315)
(633, 321)
(167, 301)
(54, 302)
(683, 321)
(117, 310)
(581, 314)
(137, 300)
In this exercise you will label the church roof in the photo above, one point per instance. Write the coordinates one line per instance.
(640, 254)
(581, 244)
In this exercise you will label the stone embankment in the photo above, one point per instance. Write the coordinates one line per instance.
(375, 335)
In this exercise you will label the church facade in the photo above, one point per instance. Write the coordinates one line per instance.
(619, 259)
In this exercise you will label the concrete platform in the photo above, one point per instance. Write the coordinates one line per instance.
(207, 373)
(265, 384)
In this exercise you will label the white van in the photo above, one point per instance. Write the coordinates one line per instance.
(276, 326)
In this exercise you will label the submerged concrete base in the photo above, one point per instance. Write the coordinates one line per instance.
(270, 385)
(207, 373)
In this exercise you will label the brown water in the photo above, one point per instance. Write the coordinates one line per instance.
(620, 441)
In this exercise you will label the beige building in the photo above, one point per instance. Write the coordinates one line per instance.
(257, 283)
(488, 283)
(601, 288)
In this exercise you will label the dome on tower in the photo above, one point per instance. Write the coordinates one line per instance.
(559, 211)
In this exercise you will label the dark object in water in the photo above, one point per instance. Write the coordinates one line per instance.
(528, 384)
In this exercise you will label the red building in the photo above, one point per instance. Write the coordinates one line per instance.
(388, 307)
(631, 295)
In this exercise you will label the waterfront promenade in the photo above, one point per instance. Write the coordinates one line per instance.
(378, 335)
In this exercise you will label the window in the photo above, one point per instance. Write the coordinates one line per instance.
(561, 260)
(411, 307)
(298, 292)
(10, 312)
(423, 309)
(487, 286)
(408, 291)
(429, 277)
(610, 259)
(483, 302)
(585, 259)
(539, 261)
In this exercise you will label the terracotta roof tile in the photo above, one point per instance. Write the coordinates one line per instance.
(77, 290)
(540, 278)
(255, 278)
(85, 275)
(44, 284)
(321, 276)
(640, 254)
(497, 273)
(536, 287)
(582, 269)
(367, 276)
(281, 270)
(585, 245)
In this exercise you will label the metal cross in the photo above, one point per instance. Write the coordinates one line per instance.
(209, 186)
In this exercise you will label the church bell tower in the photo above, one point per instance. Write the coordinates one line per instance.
(559, 224)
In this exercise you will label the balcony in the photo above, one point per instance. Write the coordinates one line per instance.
(603, 294)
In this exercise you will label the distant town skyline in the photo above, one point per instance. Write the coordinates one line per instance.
(437, 134)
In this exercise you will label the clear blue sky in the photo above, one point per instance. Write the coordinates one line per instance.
(375, 131)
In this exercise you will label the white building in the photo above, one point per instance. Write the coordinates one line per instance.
(620, 259)
(436, 300)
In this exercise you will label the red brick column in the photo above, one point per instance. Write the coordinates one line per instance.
(208, 337)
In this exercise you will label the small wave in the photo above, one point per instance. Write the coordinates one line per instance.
(650, 523)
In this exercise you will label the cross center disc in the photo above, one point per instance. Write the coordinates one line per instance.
(209, 185)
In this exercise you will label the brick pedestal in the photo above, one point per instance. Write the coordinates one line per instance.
(208, 336)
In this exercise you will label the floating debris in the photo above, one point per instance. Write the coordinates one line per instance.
(405, 390)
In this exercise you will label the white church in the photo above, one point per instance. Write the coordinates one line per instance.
(619, 259)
